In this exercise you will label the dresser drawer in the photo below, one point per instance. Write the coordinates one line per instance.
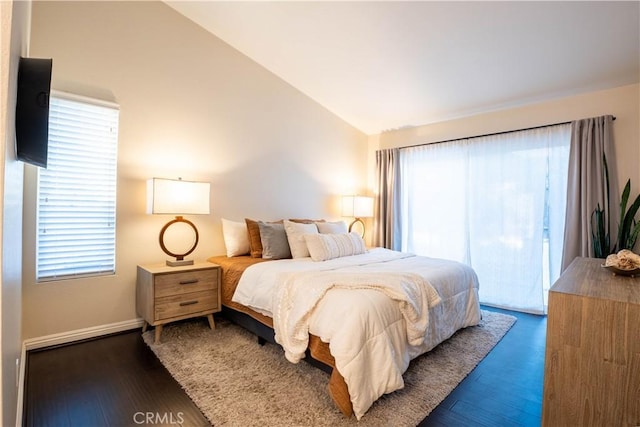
(186, 282)
(186, 304)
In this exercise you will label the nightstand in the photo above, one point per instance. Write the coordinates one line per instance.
(166, 294)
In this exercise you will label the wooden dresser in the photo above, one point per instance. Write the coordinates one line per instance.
(592, 362)
(166, 294)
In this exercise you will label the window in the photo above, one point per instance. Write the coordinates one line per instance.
(77, 192)
(496, 203)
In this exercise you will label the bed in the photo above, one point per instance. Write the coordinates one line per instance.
(363, 317)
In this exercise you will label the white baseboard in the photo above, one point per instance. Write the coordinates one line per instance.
(64, 338)
(80, 334)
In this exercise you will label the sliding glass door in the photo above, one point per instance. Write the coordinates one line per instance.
(496, 203)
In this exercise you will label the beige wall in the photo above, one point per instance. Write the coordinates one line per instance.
(190, 107)
(14, 17)
(622, 102)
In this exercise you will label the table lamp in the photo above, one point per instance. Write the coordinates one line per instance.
(358, 207)
(177, 197)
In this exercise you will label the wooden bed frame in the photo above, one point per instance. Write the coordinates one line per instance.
(318, 353)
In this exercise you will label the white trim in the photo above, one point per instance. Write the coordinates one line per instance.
(21, 378)
(81, 334)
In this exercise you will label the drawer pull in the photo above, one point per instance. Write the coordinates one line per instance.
(189, 282)
(182, 304)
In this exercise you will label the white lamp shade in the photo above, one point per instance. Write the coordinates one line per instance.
(177, 197)
(357, 206)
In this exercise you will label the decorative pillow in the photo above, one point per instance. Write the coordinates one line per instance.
(295, 235)
(338, 227)
(274, 241)
(329, 246)
(305, 221)
(236, 237)
(255, 245)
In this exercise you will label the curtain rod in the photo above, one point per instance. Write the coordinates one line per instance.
(490, 134)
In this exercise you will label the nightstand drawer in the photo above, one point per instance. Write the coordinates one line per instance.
(181, 305)
(165, 294)
(187, 282)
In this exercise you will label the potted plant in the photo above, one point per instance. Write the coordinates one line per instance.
(628, 228)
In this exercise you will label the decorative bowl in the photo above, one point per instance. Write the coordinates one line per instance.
(616, 271)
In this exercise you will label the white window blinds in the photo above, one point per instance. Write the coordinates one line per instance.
(77, 191)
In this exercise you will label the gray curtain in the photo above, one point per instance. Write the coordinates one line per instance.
(590, 140)
(386, 208)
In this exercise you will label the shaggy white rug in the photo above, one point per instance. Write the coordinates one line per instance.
(236, 382)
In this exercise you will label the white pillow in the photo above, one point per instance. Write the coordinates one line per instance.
(338, 227)
(329, 246)
(295, 235)
(236, 237)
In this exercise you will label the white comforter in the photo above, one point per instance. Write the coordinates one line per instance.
(377, 311)
(300, 293)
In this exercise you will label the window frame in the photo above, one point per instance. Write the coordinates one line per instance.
(111, 183)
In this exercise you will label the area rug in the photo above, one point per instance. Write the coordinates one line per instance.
(236, 382)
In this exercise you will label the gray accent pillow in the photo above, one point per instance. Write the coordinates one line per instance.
(274, 241)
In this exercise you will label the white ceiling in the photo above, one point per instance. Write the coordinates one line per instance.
(386, 65)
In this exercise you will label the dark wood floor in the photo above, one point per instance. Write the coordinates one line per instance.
(111, 381)
(505, 389)
(118, 381)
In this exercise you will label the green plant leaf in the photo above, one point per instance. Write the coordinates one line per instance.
(607, 195)
(628, 223)
(595, 239)
(625, 198)
(622, 230)
(599, 237)
(634, 236)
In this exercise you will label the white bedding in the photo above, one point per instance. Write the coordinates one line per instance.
(368, 326)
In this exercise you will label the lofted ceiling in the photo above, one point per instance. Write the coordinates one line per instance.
(387, 65)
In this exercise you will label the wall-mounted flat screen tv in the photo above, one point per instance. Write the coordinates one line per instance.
(32, 110)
